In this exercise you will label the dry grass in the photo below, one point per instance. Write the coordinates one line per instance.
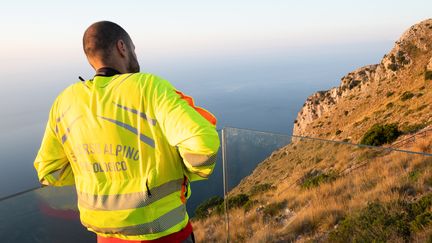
(210, 229)
(423, 236)
(312, 213)
(364, 175)
(422, 144)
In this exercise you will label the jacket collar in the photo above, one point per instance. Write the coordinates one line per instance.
(106, 72)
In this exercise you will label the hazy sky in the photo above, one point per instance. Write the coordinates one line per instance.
(37, 32)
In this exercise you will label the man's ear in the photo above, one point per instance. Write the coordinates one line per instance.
(122, 48)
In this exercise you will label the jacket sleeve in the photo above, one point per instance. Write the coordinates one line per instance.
(185, 128)
(51, 163)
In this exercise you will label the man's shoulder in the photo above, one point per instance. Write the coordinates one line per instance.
(71, 89)
(148, 77)
(68, 93)
(150, 80)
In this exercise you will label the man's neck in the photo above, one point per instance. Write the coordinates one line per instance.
(107, 72)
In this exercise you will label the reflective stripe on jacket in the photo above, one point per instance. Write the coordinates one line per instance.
(119, 139)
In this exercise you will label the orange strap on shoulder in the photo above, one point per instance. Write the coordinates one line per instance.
(206, 114)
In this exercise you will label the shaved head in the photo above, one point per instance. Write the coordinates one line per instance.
(101, 37)
(100, 41)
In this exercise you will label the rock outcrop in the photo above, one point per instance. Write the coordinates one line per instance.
(417, 39)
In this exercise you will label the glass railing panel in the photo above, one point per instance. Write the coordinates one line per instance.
(310, 187)
(47, 214)
(277, 188)
(245, 149)
(50, 214)
(242, 151)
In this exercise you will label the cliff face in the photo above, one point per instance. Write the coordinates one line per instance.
(359, 90)
(323, 102)
(305, 191)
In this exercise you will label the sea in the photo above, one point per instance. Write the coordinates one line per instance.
(258, 90)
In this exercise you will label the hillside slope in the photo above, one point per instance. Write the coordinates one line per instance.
(324, 191)
(395, 90)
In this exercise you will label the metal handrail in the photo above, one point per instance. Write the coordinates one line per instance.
(21, 192)
(364, 145)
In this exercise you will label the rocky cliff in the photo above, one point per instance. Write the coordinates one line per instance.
(315, 191)
(398, 71)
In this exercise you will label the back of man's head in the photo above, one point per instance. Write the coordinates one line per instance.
(101, 37)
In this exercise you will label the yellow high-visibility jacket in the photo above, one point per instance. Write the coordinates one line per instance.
(120, 140)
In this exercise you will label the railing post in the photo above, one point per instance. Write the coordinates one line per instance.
(225, 182)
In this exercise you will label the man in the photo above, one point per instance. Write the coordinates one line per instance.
(130, 143)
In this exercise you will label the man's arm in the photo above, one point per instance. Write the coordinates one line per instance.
(51, 162)
(184, 127)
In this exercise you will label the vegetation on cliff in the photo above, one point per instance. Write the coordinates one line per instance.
(317, 191)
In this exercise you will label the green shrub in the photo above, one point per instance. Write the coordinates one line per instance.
(379, 222)
(205, 208)
(317, 159)
(338, 132)
(408, 112)
(414, 175)
(408, 129)
(248, 206)
(260, 188)
(421, 205)
(400, 58)
(393, 67)
(216, 205)
(314, 179)
(389, 93)
(412, 49)
(354, 84)
(238, 201)
(422, 107)
(428, 75)
(406, 96)
(219, 209)
(273, 209)
(421, 221)
(375, 223)
(381, 134)
(389, 105)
